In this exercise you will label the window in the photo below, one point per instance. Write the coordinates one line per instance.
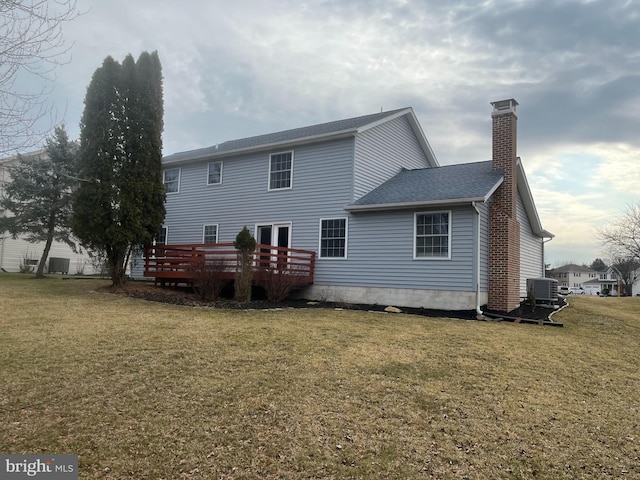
(214, 174)
(171, 180)
(161, 239)
(333, 238)
(280, 170)
(210, 234)
(432, 235)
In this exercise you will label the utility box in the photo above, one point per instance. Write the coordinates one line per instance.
(59, 265)
(544, 289)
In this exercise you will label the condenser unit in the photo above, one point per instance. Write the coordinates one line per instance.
(544, 289)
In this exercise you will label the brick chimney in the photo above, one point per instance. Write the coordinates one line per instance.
(504, 228)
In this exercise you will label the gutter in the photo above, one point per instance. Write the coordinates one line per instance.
(377, 207)
(478, 309)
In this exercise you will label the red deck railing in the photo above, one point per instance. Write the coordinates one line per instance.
(176, 263)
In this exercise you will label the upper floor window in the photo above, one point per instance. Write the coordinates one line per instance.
(432, 235)
(280, 170)
(214, 174)
(210, 234)
(171, 180)
(333, 238)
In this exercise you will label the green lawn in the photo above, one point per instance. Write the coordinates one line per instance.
(147, 391)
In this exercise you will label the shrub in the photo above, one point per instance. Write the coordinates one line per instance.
(208, 277)
(27, 263)
(246, 245)
(279, 282)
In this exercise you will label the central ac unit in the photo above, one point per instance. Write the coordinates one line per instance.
(544, 289)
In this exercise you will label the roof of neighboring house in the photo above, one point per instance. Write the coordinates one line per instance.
(572, 267)
(462, 183)
(310, 134)
(599, 281)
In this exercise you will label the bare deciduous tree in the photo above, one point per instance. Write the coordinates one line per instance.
(31, 46)
(622, 236)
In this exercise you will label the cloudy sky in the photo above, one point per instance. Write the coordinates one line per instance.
(236, 69)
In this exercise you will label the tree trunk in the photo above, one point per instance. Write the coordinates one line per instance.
(117, 268)
(47, 247)
(45, 255)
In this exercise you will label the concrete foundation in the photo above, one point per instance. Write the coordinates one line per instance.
(398, 297)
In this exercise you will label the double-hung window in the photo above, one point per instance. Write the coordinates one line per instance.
(280, 170)
(171, 180)
(433, 235)
(210, 234)
(333, 238)
(214, 173)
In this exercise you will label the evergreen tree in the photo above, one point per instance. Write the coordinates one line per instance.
(121, 205)
(246, 245)
(598, 265)
(40, 196)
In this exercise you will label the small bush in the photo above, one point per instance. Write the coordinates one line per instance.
(208, 277)
(28, 263)
(278, 283)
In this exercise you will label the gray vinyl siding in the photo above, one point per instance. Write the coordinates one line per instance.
(379, 244)
(321, 187)
(382, 151)
(531, 261)
(484, 246)
(380, 247)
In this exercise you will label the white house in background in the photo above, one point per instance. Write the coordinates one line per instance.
(576, 276)
(610, 281)
(17, 252)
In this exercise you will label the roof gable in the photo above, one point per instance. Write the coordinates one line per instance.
(452, 184)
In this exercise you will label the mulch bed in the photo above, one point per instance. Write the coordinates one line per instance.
(185, 296)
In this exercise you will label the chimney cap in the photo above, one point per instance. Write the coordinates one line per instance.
(504, 106)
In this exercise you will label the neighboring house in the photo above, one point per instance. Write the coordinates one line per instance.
(611, 281)
(577, 276)
(16, 253)
(591, 281)
(635, 288)
(388, 223)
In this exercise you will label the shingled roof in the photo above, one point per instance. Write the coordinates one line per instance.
(308, 134)
(452, 184)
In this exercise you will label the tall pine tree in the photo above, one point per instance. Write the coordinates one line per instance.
(39, 196)
(121, 202)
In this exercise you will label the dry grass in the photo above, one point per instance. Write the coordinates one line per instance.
(145, 390)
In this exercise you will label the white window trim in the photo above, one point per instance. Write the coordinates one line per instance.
(221, 169)
(269, 177)
(211, 225)
(415, 234)
(179, 178)
(166, 236)
(346, 238)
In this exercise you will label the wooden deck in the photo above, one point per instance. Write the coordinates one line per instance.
(179, 263)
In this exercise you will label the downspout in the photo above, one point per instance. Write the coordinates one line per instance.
(478, 309)
(544, 269)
